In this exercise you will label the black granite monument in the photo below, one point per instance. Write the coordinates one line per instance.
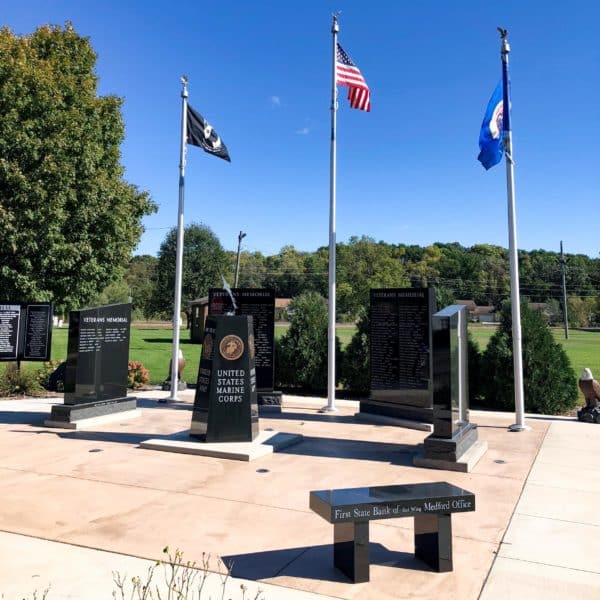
(452, 433)
(25, 331)
(400, 359)
(225, 405)
(97, 363)
(259, 303)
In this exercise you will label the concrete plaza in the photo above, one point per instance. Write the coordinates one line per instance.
(78, 505)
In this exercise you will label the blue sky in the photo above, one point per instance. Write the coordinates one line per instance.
(260, 72)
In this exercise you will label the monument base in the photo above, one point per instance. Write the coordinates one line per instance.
(265, 443)
(64, 415)
(394, 421)
(166, 385)
(269, 401)
(397, 410)
(589, 415)
(451, 449)
(465, 464)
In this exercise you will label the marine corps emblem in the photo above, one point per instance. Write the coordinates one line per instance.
(231, 347)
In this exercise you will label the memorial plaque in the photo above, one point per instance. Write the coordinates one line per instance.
(38, 332)
(400, 358)
(452, 433)
(25, 331)
(225, 405)
(10, 321)
(260, 305)
(97, 354)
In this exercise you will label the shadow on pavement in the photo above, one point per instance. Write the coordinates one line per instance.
(315, 562)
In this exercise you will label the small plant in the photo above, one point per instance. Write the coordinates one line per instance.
(137, 375)
(181, 580)
(45, 371)
(19, 382)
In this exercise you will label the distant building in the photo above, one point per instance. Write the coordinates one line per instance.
(281, 306)
(481, 314)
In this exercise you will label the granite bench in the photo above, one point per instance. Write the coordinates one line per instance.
(350, 510)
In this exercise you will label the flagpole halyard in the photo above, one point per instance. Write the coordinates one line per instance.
(179, 253)
(512, 242)
(332, 238)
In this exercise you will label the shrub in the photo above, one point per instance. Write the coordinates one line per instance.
(475, 374)
(548, 379)
(45, 371)
(137, 375)
(17, 382)
(355, 365)
(302, 351)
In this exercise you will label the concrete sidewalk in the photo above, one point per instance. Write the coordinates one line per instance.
(78, 505)
(551, 549)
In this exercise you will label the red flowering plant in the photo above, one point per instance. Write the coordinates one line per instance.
(137, 375)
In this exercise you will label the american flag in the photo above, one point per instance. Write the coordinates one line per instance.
(347, 73)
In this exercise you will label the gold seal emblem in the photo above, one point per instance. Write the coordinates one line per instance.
(231, 347)
(207, 346)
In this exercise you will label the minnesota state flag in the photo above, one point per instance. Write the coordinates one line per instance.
(490, 136)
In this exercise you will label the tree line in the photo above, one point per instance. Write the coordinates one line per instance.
(479, 273)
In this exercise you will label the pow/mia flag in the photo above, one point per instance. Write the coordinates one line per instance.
(200, 133)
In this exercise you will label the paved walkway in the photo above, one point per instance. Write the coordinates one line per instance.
(76, 506)
(552, 546)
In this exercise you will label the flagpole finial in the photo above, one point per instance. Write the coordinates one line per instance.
(335, 27)
(184, 82)
(505, 46)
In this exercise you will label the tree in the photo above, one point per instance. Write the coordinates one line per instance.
(364, 264)
(301, 359)
(549, 380)
(355, 366)
(69, 219)
(141, 280)
(204, 262)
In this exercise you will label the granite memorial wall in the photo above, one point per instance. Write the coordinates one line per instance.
(25, 331)
(400, 356)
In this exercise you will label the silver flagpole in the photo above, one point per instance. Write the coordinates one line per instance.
(331, 322)
(179, 256)
(512, 243)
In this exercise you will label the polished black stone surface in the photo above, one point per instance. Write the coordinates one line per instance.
(400, 360)
(351, 509)
(390, 501)
(25, 331)
(258, 303)
(351, 550)
(68, 413)
(452, 433)
(225, 405)
(433, 541)
(97, 354)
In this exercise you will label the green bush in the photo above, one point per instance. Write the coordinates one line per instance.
(301, 354)
(355, 366)
(19, 382)
(475, 373)
(44, 372)
(548, 379)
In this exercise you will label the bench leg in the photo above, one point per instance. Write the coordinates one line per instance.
(433, 541)
(351, 549)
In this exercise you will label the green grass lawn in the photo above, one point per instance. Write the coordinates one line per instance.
(152, 347)
(582, 347)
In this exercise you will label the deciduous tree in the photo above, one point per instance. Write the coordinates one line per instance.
(69, 219)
